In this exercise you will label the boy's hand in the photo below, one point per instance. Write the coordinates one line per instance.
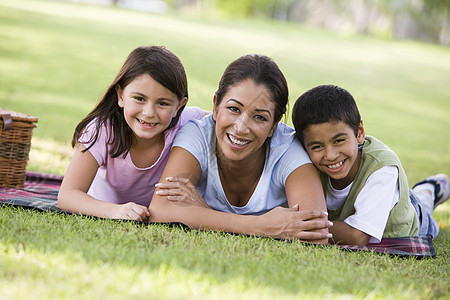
(347, 235)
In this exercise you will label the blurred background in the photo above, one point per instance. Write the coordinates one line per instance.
(423, 20)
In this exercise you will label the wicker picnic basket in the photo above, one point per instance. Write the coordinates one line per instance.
(15, 141)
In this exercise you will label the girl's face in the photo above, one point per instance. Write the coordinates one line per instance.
(333, 149)
(148, 107)
(244, 120)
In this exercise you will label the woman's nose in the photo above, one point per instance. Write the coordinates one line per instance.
(240, 124)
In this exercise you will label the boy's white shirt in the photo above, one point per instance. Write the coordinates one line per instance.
(372, 205)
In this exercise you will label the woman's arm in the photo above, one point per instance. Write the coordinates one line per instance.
(303, 188)
(73, 192)
(278, 223)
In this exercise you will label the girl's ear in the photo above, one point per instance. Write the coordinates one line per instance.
(182, 103)
(214, 114)
(361, 134)
(119, 96)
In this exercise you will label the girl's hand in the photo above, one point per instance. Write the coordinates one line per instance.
(180, 190)
(129, 211)
(290, 223)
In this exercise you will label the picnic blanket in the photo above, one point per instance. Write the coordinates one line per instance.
(41, 191)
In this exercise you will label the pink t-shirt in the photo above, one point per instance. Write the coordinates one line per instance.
(118, 180)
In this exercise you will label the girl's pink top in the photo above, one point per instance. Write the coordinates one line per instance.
(118, 180)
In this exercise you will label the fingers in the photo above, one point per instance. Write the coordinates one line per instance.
(294, 208)
(133, 211)
(312, 214)
(307, 236)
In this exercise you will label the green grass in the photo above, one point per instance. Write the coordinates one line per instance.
(57, 58)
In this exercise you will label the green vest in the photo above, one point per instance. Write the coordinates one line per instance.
(402, 220)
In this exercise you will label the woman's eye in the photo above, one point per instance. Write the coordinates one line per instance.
(233, 109)
(260, 118)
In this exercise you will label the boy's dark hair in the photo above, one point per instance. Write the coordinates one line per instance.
(156, 61)
(325, 103)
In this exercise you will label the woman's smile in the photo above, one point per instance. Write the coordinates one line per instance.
(237, 141)
(244, 121)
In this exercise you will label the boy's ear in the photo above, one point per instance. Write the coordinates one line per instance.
(361, 133)
(119, 95)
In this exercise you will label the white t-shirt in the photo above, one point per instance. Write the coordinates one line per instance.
(285, 155)
(118, 180)
(372, 205)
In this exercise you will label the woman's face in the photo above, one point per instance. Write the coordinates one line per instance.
(244, 120)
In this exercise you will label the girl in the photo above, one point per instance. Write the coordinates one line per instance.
(245, 164)
(124, 142)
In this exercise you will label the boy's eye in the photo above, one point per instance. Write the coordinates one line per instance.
(339, 141)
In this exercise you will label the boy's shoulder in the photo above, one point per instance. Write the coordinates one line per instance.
(378, 151)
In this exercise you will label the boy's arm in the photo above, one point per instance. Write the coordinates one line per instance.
(372, 207)
(347, 235)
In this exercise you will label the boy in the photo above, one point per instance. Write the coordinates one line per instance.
(365, 185)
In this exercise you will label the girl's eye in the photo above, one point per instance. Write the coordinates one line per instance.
(163, 103)
(140, 99)
(233, 109)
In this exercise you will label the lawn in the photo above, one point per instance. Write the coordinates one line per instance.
(57, 58)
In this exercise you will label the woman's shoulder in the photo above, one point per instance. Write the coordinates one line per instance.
(283, 134)
(191, 113)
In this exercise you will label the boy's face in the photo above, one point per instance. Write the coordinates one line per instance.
(333, 149)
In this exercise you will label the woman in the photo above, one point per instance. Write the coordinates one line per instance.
(245, 164)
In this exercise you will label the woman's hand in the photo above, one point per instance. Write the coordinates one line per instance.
(129, 211)
(180, 190)
(290, 223)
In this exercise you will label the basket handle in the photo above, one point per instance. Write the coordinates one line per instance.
(7, 122)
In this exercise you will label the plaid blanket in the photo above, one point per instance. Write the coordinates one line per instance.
(41, 191)
(416, 246)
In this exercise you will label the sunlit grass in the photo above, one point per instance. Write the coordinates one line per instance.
(71, 256)
(57, 58)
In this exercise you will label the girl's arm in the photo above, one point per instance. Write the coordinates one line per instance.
(303, 188)
(278, 223)
(73, 192)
